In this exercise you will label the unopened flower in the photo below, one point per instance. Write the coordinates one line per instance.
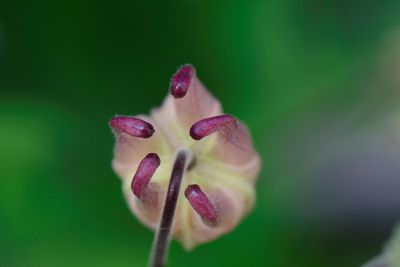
(391, 254)
(210, 156)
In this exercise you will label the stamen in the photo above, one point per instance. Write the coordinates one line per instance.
(201, 204)
(144, 172)
(132, 126)
(207, 126)
(181, 81)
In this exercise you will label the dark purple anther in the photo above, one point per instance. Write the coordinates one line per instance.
(144, 172)
(207, 126)
(201, 203)
(181, 81)
(132, 126)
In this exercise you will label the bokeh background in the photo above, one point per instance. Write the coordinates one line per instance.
(317, 81)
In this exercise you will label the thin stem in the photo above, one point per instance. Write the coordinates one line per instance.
(161, 240)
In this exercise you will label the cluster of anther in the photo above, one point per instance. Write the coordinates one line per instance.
(141, 129)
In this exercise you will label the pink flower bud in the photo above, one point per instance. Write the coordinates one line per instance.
(219, 177)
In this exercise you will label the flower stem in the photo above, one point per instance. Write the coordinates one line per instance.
(162, 238)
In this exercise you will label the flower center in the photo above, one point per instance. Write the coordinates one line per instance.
(192, 163)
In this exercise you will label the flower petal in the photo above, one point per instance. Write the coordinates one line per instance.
(129, 150)
(233, 150)
(193, 230)
(149, 207)
(198, 103)
(179, 114)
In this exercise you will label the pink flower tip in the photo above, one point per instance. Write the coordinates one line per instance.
(201, 204)
(144, 172)
(132, 126)
(204, 127)
(181, 81)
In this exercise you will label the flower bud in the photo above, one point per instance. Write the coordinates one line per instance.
(219, 177)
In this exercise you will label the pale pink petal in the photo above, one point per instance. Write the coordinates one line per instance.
(181, 113)
(149, 207)
(192, 228)
(234, 151)
(129, 150)
(197, 104)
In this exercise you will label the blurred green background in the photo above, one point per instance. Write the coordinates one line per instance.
(317, 81)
